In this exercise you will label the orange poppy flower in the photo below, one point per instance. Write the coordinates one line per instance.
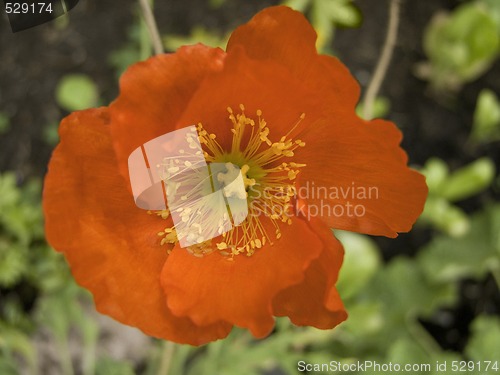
(282, 113)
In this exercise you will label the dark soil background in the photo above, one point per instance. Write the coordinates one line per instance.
(33, 61)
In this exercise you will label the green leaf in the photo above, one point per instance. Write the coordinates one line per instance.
(485, 339)
(381, 107)
(436, 172)
(300, 5)
(486, 126)
(323, 23)
(13, 341)
(9, 192)
(344, 13)
(16, 221)
(122, 58)
(326, 15)
(460, 46)
(469, 180)
(21, 224)
(216, 3)
(4, 123)
(76, 92)
(406, 351)
(404, 291)
(448, 259)
(365, 318)
(13, 262)
(387, 308)
(51, 134)
(493, 9)
(445, 216)
(240, 353)
(8, 367)
(198, 35)
(131, 52)
(49, 271)
(445, 187)
(361, 262)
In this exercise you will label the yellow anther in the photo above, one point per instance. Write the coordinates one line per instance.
(222, 245)
(292, 174)
(258, 152)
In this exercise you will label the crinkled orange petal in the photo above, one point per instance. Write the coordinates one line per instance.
(154, 93)
(110, 244)
(359, 163)
(277, 33)
(267, 86)
(283, 35)
(315, 301)
(239, 291)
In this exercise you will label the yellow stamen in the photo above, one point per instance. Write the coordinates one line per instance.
(269, 182)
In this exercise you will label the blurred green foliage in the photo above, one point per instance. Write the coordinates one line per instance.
(129, 53)
(446, 259)
(26, 261)
(385, 300)
(445, 188)
(75, 92)
(198, 35)
(461, 45)
(4, 123)
(50, 134)
(486, 125)
(107, 366)
(216, 3)
(493, 8)
(21, 223)
(381, 107)
(137, 47)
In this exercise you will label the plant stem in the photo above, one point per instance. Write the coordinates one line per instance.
(152, 27)
(166, 357)
(384, 60)
(145, 45)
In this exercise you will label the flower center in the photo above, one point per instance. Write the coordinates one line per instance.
(268, 174)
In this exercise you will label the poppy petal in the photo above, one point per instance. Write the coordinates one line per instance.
(154, 93)
(357, 178)
(266, 86)
(315, 301)
(277, 33)
(239, 291)
(285, 36)
(110, 244)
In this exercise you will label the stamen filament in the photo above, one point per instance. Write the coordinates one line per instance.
(270, 186)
